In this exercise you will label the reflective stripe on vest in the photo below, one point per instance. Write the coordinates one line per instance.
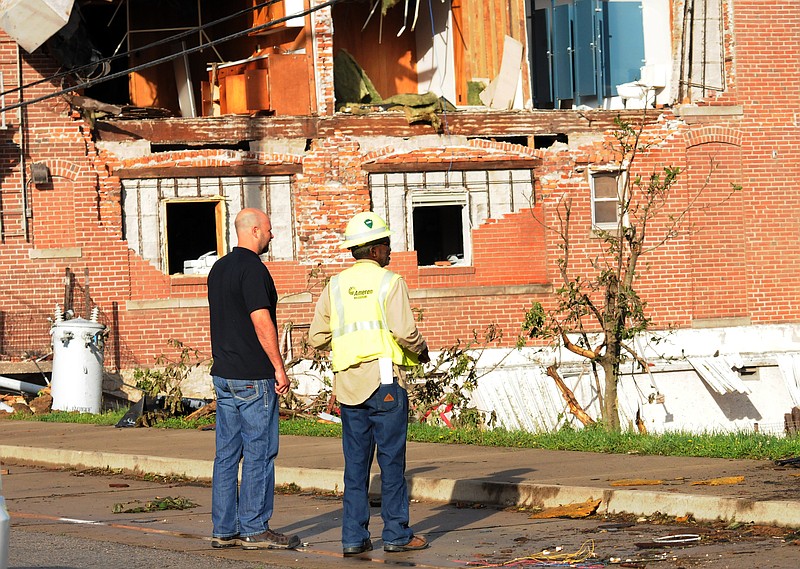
(358, 317)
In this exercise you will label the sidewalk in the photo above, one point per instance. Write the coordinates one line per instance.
(444, 473)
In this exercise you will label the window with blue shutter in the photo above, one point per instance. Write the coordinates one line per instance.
(591, 47)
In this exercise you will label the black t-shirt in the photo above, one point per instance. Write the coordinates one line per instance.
(238, 284)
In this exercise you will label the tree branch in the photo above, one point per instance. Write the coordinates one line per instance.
(572, 402)
(589, 354)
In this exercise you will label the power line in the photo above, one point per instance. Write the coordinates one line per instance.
(165, 59)
(94, 64)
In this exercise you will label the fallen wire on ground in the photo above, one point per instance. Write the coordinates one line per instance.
(576, 560)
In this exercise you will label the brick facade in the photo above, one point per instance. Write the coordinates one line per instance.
(738, 261)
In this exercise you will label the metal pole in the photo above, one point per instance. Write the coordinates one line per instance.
(88, 307)
(67, 282)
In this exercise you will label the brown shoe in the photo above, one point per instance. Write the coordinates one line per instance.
(270, 540)
(416, 543)
(223, 542)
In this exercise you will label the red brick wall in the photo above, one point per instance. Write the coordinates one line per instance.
(739, 260)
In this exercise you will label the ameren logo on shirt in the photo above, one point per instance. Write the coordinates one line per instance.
(359, 294)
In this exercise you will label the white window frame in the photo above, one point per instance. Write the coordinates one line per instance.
(452, 196)
(621, 177)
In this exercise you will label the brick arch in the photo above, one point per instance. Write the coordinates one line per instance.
(60, 168)
(706, 134)
(505, 147)
(211, 158)
(376, 154)
(476, 150)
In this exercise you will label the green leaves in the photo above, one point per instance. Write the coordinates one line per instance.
(533, 323)
(444, 392)
(156, 505)
(166, 378)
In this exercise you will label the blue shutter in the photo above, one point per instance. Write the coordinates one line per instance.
(540, 58)
(562, 52)
(585, 62)
(623, 53)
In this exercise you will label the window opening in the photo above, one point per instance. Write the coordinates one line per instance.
(605, 200)
(424, 208)
(438, 234)
(580, 50)
(548, 140)
(702, 65)
(148, 203)
(193, 236)
(243, 145)
(519, 140)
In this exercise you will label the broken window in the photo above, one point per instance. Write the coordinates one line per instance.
(605, 200)
(440, 227)
(402, 47)
(582, 52)
(194, 231)
(172, 221)
(433, 213)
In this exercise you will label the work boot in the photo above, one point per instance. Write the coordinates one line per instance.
(366, 545)
(416, 543)
(223, 542)
(270, 540)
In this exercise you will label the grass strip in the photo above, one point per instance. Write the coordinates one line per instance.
(733, 445)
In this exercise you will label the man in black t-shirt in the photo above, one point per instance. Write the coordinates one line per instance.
(248, 376)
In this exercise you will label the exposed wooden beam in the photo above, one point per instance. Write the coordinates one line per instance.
(233, 129)
(458, 165)
(209, 171)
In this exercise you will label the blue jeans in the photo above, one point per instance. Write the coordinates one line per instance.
(246, 432)
(385, 424)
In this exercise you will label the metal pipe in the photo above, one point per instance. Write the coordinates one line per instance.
(22, 146)
(87, 298)
(3, 124)
(17, 385)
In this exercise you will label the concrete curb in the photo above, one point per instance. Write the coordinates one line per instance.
(779, 513)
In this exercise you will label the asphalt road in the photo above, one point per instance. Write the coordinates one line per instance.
(48, 550)
(66, 519)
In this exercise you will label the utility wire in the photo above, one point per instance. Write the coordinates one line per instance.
(94, 64)
(165, 59)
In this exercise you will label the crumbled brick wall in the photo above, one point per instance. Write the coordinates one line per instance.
(740, 259)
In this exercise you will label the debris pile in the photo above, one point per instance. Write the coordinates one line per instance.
(26, 404)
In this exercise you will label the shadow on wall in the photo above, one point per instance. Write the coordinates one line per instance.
(736, 406)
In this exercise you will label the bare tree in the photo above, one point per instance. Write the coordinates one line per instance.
(598, 316)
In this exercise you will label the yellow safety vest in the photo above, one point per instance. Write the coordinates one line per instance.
(358, 318)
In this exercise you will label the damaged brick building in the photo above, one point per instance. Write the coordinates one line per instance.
(134, 132)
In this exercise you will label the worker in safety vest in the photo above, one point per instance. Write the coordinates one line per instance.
(364, 315)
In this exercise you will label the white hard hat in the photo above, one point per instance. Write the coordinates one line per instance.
(365, 227)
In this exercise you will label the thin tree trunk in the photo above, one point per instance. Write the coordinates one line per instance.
(611, 414)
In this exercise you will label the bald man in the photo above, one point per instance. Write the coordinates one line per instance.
(248, 376)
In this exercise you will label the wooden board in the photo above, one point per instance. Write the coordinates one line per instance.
(233, 95)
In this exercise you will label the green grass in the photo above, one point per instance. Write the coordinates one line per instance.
(110, 418)
(723, 445)
(104, 418)
(310, 428)
(712, 445)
